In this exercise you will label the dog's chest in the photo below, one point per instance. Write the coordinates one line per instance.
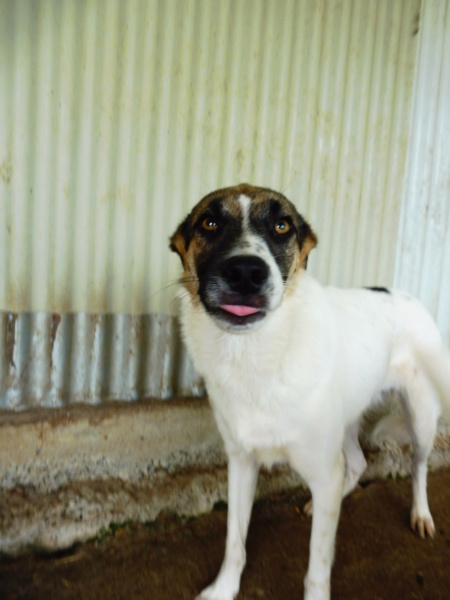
(261, 385)
(256, 407)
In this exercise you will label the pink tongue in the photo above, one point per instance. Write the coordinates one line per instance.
(238, 310)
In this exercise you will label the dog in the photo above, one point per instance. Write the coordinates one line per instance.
(290, 366)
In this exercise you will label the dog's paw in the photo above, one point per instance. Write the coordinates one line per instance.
(315, 590)
(308, 508)
(214, 592)
(422, 524)
(205, 595)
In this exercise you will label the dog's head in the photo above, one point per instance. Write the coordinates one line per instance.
(241, 247)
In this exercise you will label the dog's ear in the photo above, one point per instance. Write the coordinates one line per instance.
(179, 241)
(307, 240)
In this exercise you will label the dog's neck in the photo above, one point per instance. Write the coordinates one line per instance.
(275, 334)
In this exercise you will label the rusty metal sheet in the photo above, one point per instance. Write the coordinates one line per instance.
(54, 359)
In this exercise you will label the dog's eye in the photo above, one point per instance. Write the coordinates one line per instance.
(209, 224)
(282, 226)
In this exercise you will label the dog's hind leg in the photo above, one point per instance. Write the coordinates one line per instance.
(242, 477)
(421, 407)
(355, 463)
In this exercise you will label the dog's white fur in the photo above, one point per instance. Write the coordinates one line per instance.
(293, 387)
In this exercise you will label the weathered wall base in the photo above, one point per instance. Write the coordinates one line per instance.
(50, 360)
(68, 473)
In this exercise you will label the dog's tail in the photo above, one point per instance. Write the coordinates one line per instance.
(437, 367)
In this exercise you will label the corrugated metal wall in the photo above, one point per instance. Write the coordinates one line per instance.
(116, 117)
(423, 252)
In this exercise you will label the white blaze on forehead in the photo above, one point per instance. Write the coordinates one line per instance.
(249, 242)
(254, 244)
(244, 203)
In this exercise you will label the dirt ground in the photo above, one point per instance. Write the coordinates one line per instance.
(377, 555)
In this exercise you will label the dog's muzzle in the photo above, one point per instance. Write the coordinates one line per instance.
(237, 294)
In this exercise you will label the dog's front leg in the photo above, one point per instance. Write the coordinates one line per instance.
(242, 476)
(327, 493)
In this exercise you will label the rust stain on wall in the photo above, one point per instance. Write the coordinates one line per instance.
(6, 170)
(11, 339)
(56, 319)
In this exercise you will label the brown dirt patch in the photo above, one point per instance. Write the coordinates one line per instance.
(377, 555)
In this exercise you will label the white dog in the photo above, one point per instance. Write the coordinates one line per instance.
(291, 365)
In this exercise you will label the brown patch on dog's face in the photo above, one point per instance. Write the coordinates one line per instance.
(309, 243)
(242, 221)
(194, 239)
(291, 249)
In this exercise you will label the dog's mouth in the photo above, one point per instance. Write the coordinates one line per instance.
(238, 314)
(237, 292)
(240, 310)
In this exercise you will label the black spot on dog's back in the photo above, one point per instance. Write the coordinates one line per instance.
(382, 290)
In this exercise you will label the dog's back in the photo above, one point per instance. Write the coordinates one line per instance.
(390, 332)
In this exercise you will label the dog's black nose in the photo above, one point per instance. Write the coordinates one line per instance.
(245, 274)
